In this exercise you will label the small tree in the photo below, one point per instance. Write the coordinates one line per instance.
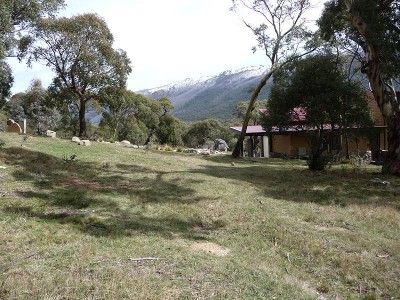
(316, 93)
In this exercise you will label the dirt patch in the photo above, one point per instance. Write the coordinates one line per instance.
(210, 248)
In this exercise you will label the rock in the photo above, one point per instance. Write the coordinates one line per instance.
(125, 143)
(135, 146)
(379, 181)
(51, 134)
(220, 145)
(84, 143)
(13, 126)
(77, 140)
(190, 150)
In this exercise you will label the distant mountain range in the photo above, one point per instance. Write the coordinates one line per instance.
(213, 96)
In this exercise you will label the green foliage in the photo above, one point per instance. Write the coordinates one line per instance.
(241, 108)
(205, 132)
(170, 130)
(6, 80)
(2, 143)
(383, 30)
(315, 93)
(18, 19)
(86, 55)
(134, 117)
(33, 105)
(69, 159)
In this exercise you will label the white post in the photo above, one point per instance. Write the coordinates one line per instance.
(266, 146)
(24, 126)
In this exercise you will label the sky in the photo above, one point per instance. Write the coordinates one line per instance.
(166, 40)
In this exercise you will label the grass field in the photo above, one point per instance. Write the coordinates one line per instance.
(120, 223)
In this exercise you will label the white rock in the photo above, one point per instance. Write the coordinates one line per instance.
(77, 140)
(51, 134)
(125, 143)
(84, 143)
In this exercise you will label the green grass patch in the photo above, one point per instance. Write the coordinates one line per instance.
(122, 223)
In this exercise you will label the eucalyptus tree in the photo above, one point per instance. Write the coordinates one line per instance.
(370, 29)
(17, 19)
(281, 33)
(80, 52)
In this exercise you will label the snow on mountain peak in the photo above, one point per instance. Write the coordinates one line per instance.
(243, 73)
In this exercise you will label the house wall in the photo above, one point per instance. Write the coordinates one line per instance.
(362, 145)
(281, 144)
(290, 143)
(297, 140)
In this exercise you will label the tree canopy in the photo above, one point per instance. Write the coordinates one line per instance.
(316, 92)
(17, 19)
(80, 53)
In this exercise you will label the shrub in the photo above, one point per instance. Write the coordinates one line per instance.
(167, 148)
(2, 143)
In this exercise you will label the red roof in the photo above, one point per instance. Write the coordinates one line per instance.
(298, 114)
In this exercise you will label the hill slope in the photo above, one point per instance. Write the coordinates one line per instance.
(211, 97)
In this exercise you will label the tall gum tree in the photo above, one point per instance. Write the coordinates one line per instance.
(373, 26)
(79, 51)
(281, 33)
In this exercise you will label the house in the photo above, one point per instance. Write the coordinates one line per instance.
(291, 141)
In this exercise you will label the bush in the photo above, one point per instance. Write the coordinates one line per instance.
(167, 148)
(2, 143)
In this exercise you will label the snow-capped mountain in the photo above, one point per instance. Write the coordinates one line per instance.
(211, 96)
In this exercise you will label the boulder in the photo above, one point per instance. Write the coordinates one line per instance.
(220, 145)
(125, 143)
(51, 134)
(379, 181)
(84, 143)
(77, 140)
(13, 126)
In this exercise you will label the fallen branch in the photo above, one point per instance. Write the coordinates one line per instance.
(15, 261)
(143, 259)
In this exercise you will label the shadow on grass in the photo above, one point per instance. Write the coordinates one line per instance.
(288, 180)
(103, 201)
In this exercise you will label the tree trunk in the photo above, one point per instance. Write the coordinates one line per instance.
(391, 163)
(149, 136)
(237, 151)
(82, 121)
(387, 102)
